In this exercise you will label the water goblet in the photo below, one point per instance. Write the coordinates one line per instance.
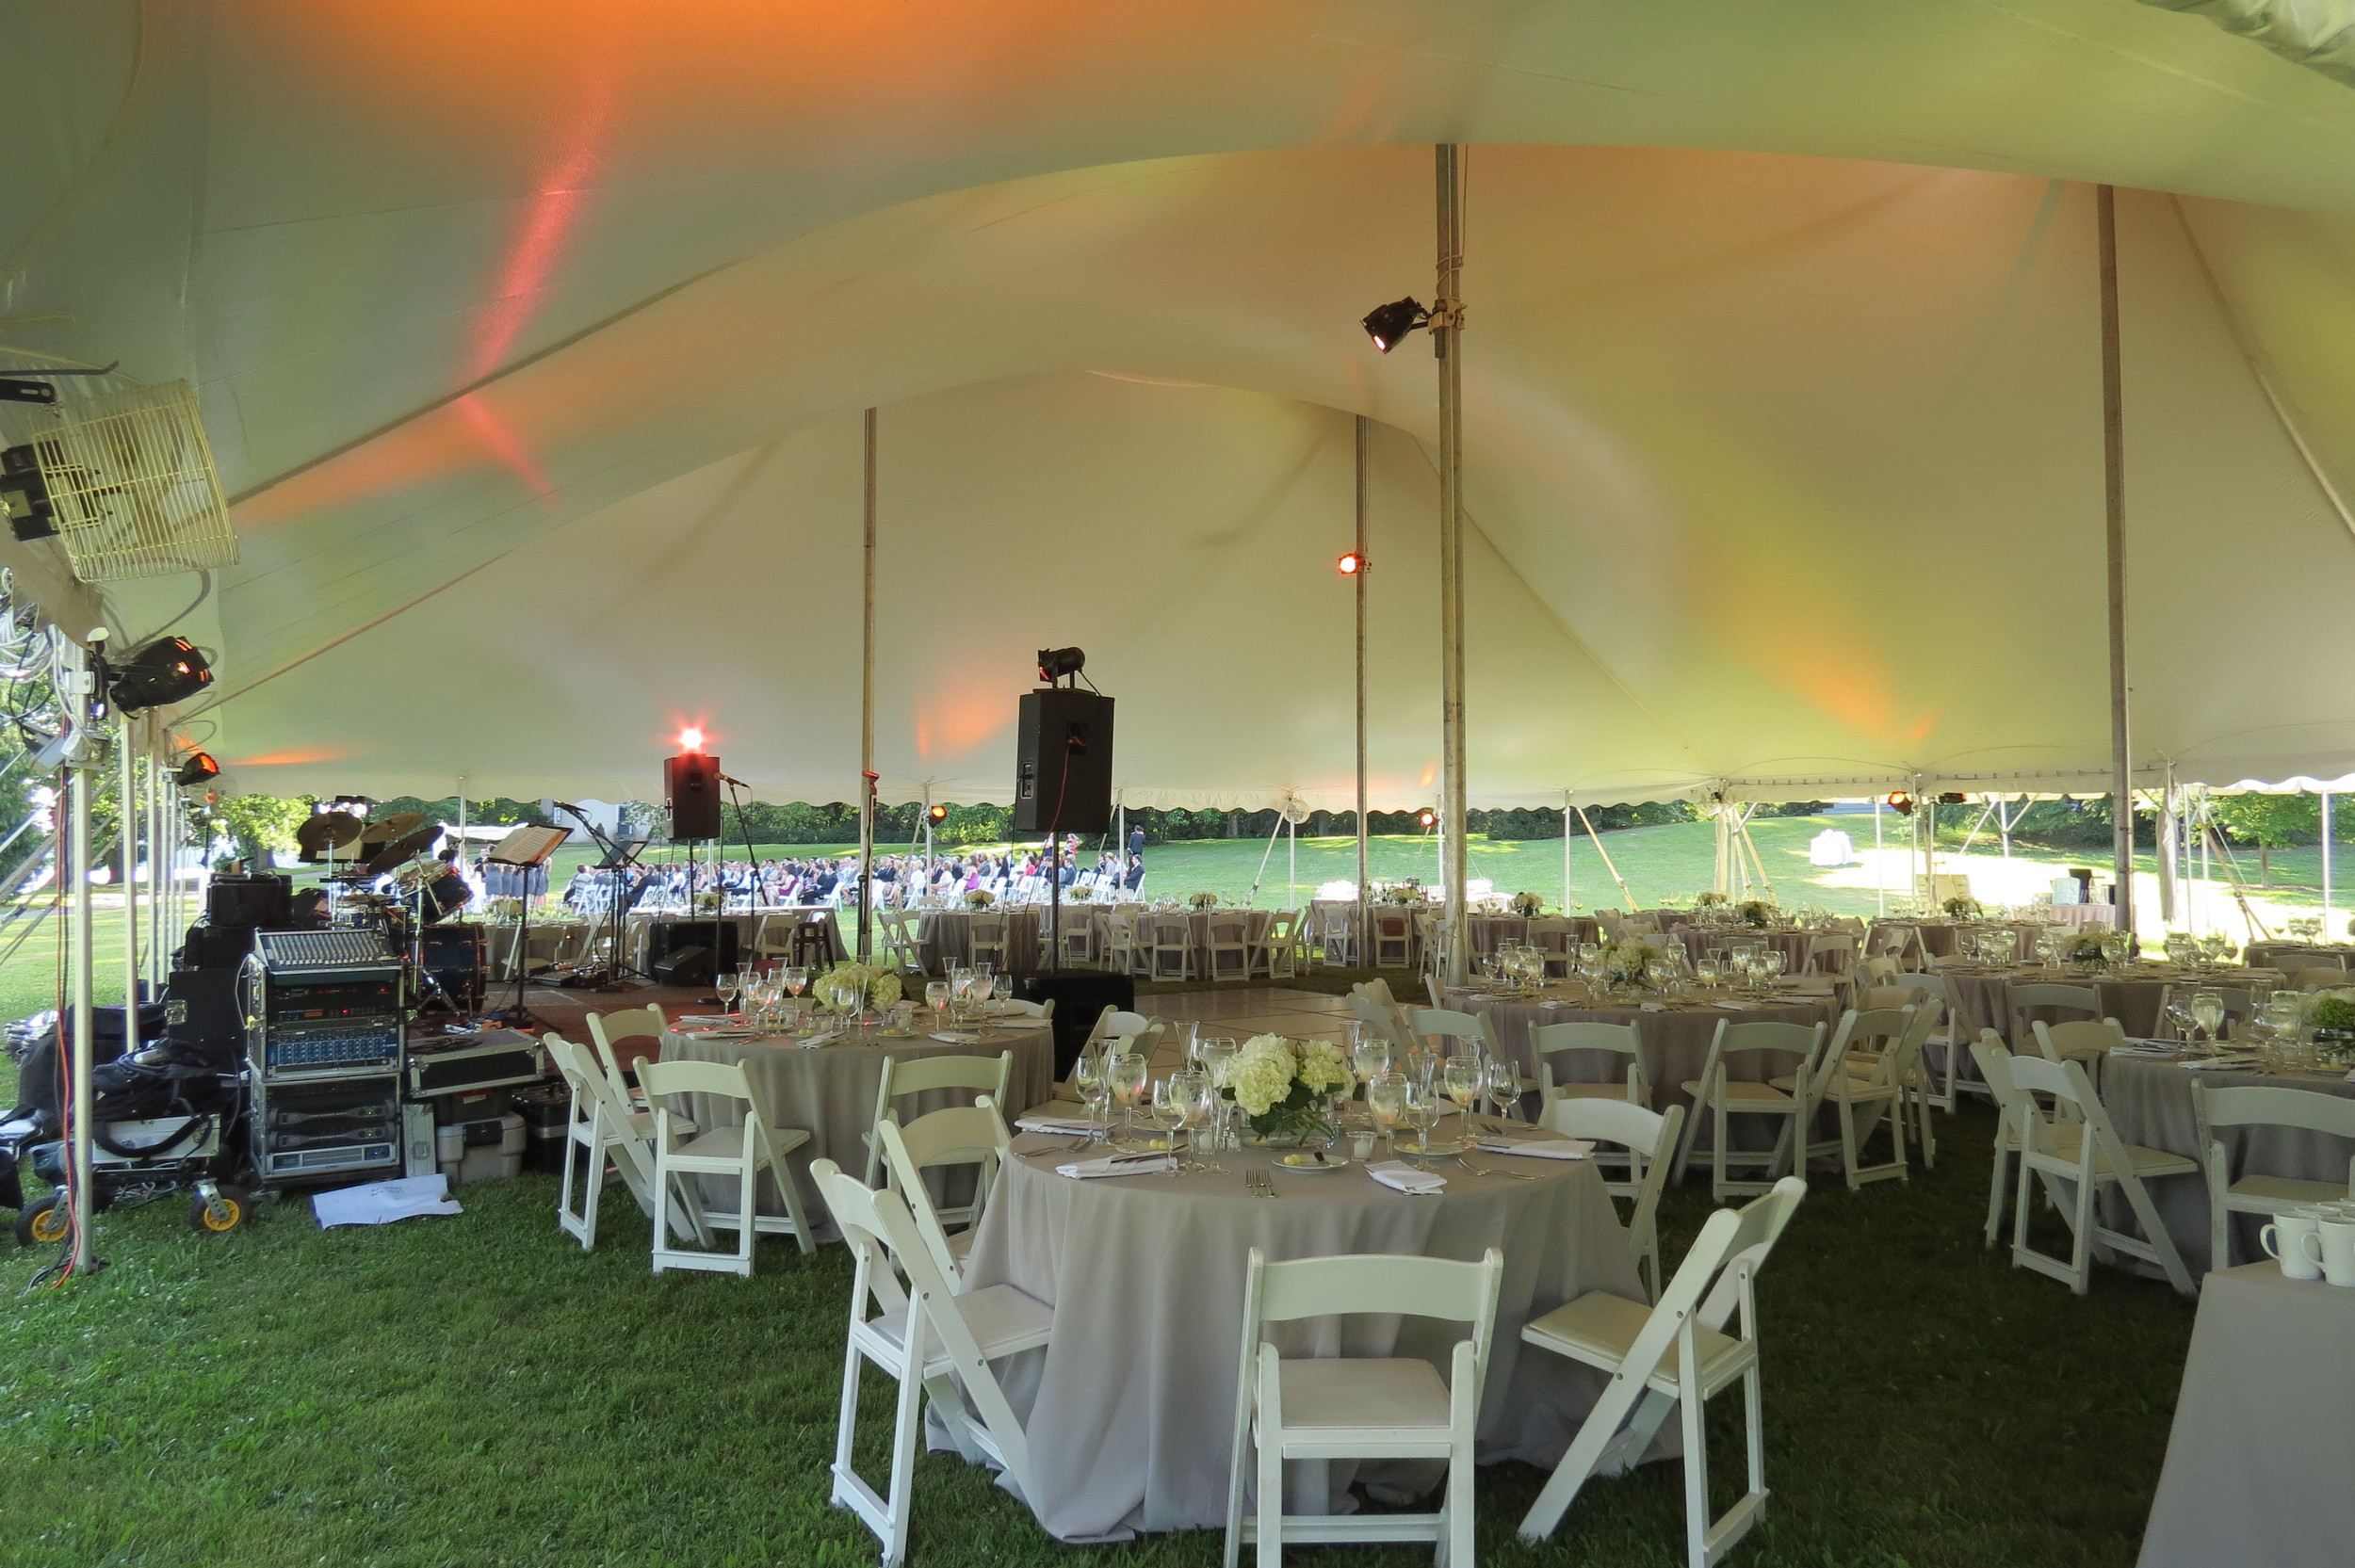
(729, 985)
(796, 979)
(1001, 988)
(2207, 1010)
(1369, 1058)
(936, 998)
(1166, 1110)
(1422, 1114)
(1503, 1081)
(1092, 1077)
(1463, 1079)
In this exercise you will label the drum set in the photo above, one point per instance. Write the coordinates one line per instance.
(448, 967)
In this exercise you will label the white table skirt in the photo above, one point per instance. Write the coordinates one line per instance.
(1129, 1406)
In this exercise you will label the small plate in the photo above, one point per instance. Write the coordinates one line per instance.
(1309, 1164)
(1438, 1146)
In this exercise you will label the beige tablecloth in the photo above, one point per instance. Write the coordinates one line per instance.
(944, 938)
(2264, 1426)
(1129, 1406)
(829, 1090)
(2150, 1104)
(1983, 996)
(1675, 1042)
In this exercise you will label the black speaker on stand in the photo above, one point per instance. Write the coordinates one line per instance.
(690, 787)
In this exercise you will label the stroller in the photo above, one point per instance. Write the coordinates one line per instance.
(167, 1119)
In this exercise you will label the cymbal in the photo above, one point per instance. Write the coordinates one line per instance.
(398, 825)
(327, 830)
(400, 849)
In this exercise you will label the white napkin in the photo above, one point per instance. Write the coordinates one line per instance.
(703, 1020)
(1554, 1002)
(1023, 1021)
(956, 1039)
(1402, 1177)
(1539, 1148)
(819, 1039)
(1148, 1164)
(1058, 1124)
(2230, 1064)
(1653, 1007)
(1737, 1007)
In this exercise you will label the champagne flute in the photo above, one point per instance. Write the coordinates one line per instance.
(1386, 1101)
(1092, 1077)
(1129, 1075)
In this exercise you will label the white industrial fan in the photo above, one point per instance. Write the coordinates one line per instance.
(125, 480)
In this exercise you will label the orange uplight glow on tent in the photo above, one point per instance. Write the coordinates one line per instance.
(1351, 563)
(691, 739)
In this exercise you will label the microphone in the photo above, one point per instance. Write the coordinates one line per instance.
(567, 806)
(737, 783)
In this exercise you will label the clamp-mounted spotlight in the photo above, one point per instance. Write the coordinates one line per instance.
(168, 670)
(940, 813)
(195, 769)
(1388, 325)
(1054, 664)
(1900, 802)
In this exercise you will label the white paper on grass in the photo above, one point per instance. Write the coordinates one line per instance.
(381, 1203)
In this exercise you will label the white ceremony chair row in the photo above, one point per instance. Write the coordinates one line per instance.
(2088, 1153)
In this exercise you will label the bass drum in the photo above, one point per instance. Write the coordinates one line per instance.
(454, 957)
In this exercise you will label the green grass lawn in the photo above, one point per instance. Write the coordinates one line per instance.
(477, 1390)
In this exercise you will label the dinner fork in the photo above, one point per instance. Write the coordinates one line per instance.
(1485, 1170)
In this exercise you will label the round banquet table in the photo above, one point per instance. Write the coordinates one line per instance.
(1129, 1406)
(944, 938)
(1674, 1040)
(1792, 945)
(2148, 1100)
(829, 1090)
(1983, 996)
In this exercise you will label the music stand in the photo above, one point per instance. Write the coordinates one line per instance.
(615, 856)
(526, 848)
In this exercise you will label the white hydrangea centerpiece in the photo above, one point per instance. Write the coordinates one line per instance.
(1634, 962)
(1204, 900)
(1282, 1084)
(980, 898)
(1528, 904)
(848, 987)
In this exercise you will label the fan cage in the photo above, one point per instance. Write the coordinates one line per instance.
(131, 478)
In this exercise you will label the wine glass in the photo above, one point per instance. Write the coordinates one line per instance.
(1214, 1052)
(1173, 1098)
(1001, 989)
(1464, 1079)
(796, 977)
(1369, 1058)
(1092, 1077)
(1204, 1109)
(729, 985)
(1503, 1081)
(1131, 1073)
(2207, 1010)
(1706, 971)
(936, 997)
(1386, 1102)
(1422, 1114)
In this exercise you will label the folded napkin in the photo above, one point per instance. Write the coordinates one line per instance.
(956, 1039)
(1144, 1164)
(819, 1039)
(2230, 1064)
(703, 1020)
(1554, 1002)
(1737, 1007)
(1398, 1175)
(1058, 1124)
(1653, 1007)
(1021, 1021)
(2159, 1049)
(1538, 1148)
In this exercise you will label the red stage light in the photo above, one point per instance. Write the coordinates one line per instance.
(1351, 563)
(1428, 818)
(691, 739)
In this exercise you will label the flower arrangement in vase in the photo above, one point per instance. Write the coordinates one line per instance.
(1961, 907)
(1757, 913)
(1528, 904)
(1203, 901)
(710, 903)
(1283, 1085)
(1407, 892)
(1631, 965)
(980, 898)
(853, 987)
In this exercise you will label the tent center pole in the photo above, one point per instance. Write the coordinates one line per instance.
(1446, 342)
(2114, 533)
(1357, 590)
(2327, 920)
(866, 719)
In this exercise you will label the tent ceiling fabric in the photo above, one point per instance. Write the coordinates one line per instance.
(532, 338)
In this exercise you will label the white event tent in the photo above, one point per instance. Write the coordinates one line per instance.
(534, 341)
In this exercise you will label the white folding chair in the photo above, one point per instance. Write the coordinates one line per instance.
(1829, 953)
(1943, 1049)
(598, 1127)
(1079, 939)
(1228, 948)
(1383, 1015)
(986, 943)
(619, 1037)
(963, 1134)
(1675, 1355)
(1276, 953)
(1353, 1407)
(2075, 998)
(2085, 1040)
(2213, 1109)
(928, 1075)
(1723, 1097)
(935, 1342)
(2094, 1158)
(1854, 1080)
(1120, 942)
(1554, 1041)
(743, 1150)
(1169, 950)
(1394, 939)
(899, 938)
(1468, 1032)
(1649, 1138)
(1336, 936)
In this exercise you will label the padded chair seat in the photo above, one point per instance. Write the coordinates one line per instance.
(1340, 1393)
(2285, 1191)
(1590, 1091)
(1002, 1319)
(1599, 1329)
(2143, 1162)
(1748, 1096)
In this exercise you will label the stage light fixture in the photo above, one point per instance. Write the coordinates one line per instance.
(1351, 563)
(691, 739)
(1056, 663)
(168, 670)
(1900, 802)
(940, 813)
(195, 769)
(1388, 325)
(1429, 819)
